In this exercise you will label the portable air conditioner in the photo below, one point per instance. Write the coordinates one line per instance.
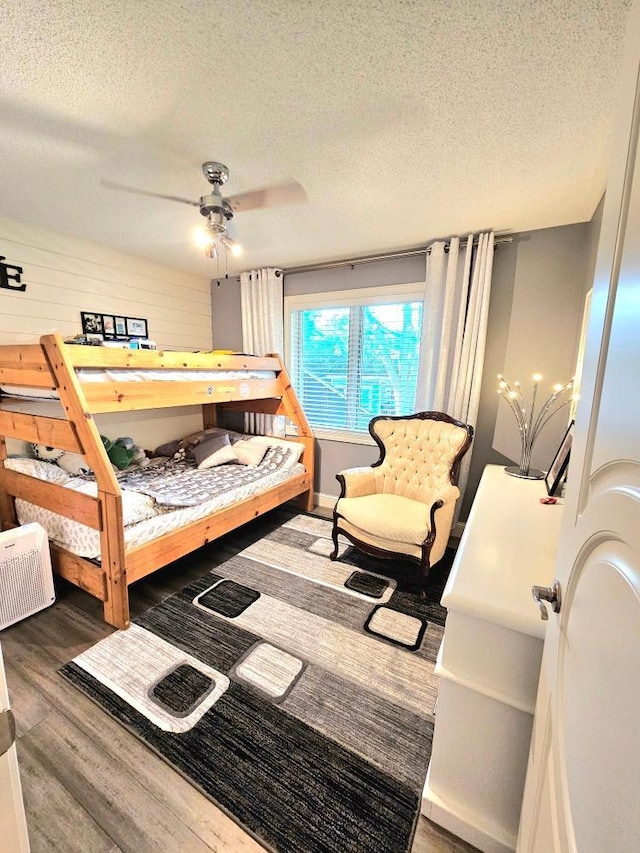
(26, 579)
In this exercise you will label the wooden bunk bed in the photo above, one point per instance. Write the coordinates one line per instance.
(52, 366)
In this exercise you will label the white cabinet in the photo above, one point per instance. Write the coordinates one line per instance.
(13, 825)
(489, 662)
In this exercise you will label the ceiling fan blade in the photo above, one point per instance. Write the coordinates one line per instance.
(112, 185)
(288, 192)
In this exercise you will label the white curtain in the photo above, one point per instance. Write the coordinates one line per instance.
(454, 331)
(262, 331)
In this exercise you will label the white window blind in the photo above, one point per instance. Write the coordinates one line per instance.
(353, 356)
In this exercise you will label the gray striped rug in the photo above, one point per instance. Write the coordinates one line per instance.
(296, 692)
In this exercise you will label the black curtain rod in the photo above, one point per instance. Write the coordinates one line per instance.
(368, 259)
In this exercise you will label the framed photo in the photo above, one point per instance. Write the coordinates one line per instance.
(121, 327)
(91, 323)
(560, 462)
(109, 325)
(136, 328)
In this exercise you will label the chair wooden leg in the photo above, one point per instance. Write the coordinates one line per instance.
(334, 536)
(424, 575)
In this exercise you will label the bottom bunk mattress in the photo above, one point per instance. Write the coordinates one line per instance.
(158, 499)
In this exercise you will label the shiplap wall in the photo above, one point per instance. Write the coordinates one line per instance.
(65, 276)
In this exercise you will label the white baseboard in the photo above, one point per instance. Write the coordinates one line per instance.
(464, 823)
(328, 501)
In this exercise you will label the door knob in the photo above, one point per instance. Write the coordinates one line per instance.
(547, 593)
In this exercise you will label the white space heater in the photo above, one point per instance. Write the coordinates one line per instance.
(26, 579)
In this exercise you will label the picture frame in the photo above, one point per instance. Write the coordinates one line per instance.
(136, 327)
(558, 466)
(91, 323)
(109, 325)
(120, 327)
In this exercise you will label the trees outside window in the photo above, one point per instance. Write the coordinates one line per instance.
(355, 356)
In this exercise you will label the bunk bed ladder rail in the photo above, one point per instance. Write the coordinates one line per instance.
(109, 499)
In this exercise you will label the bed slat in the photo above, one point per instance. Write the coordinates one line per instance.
(29, 376)
(74, 505)
(28, 356)
(53, 432)
(25, 365)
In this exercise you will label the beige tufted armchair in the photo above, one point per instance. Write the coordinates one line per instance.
(402, 506)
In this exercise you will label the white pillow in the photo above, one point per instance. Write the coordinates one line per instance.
(37, 468)
(272, 441)
(250, 453)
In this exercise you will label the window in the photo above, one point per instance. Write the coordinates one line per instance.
(354, 354)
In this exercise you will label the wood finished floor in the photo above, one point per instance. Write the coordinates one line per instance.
(90, 786)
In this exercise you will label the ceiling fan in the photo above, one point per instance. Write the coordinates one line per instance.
(219, 210)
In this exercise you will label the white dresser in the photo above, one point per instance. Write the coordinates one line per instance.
(489, 662)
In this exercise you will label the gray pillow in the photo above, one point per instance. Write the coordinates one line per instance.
(213, 451)
(216, 431)
(167, 449)
(188, 442)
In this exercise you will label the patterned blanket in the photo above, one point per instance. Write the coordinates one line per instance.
(176, 484)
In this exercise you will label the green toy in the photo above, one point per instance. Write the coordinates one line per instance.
(120, 452)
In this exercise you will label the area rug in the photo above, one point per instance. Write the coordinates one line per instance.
(297, 693)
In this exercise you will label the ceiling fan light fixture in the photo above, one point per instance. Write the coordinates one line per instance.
(202, 237)
(211, 238)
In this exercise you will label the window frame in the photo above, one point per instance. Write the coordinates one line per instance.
(382, 295)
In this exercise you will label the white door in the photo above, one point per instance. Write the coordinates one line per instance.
(13, 826)
(583, 782)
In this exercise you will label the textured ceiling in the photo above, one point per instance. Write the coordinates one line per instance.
(404, 121)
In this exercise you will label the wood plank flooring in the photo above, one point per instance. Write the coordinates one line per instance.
(88, 784)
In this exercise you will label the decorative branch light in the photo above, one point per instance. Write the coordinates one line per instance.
(531, 424)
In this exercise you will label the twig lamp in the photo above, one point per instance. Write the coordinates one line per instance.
(531, 424)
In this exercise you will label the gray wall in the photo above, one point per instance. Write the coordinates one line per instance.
(535, 314)
(226, 317)
(544, 329)
(591, 249)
